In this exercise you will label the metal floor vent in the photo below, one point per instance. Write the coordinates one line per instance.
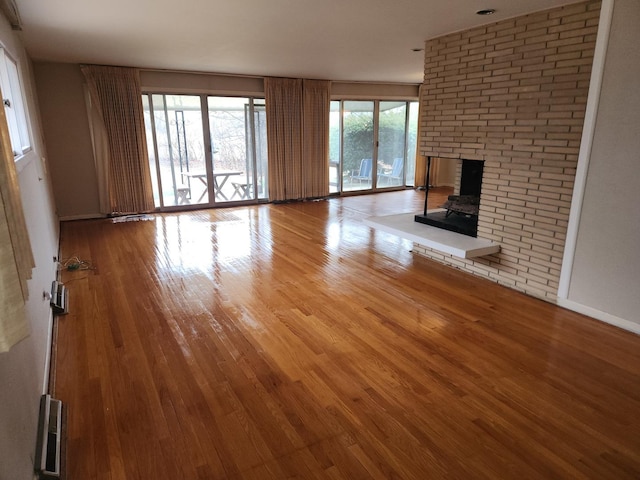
(59, 298)
(49, 438)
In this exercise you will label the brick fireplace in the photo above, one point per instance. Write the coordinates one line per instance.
(460, 212)
(513, 94)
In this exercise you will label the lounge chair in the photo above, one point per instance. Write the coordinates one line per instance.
(395, 176)
(364, 173)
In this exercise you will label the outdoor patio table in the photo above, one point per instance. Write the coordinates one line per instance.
(220, 178)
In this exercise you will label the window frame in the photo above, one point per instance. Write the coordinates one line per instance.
(409, 149)
(254, 101)
(13, 99)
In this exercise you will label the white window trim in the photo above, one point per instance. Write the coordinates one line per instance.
(16, 112)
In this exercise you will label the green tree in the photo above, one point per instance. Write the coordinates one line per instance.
(358, 138)
(391, 135)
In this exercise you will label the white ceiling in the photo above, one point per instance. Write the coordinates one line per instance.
(355, 40)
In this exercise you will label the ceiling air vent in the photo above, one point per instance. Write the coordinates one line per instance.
(10, 10)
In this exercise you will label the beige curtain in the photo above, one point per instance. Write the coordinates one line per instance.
(298, 138)
(315, 138)
(116, 97)
(434, 172)
(283, 98)
(16, 257)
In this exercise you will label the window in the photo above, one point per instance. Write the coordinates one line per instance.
(206, 150)
(372, 145)
(12, 98)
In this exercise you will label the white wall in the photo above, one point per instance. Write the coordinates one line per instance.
(605, 278)
(24, 369)
(66, 131)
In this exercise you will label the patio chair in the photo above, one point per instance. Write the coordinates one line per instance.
(395, 175)
(242, 190)
(365, 171)
(183, 194)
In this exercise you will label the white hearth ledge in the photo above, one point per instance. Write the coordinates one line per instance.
(456, 244)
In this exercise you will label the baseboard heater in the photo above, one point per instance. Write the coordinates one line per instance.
(49, 438)
(59, 298)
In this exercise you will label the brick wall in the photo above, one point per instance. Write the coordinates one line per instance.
(514, 95)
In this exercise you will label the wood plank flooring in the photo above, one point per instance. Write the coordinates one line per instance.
(292, 341)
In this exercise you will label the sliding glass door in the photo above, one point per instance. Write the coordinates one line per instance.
(335, 147)
(358, 141)
(392, 139)
(412, 144)
(372, 145)
(228, 164)
(176, 149)
(237, 129)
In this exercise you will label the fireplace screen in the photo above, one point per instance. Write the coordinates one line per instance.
(459, 213)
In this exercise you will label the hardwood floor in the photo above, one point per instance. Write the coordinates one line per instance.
(292, 341)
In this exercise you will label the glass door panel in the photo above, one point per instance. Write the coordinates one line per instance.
(150, 135)
(392, 121)
(232, 151)
(176, 149)
(260, 146)
(335, 172)
(412, 144)
(358, 145)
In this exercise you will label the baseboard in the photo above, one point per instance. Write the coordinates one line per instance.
(86, 216)
(49, 356)
(599, 315)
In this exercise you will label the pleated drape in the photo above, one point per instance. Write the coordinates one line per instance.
(315, 136)
(16, 257)
(298, 138)
(283, 98)
(116, 96)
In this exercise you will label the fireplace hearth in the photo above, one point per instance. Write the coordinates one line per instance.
(460, 212)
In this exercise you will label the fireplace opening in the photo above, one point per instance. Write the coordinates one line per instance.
(459, 213)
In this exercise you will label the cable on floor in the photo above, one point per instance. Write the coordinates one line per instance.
(75, 263)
